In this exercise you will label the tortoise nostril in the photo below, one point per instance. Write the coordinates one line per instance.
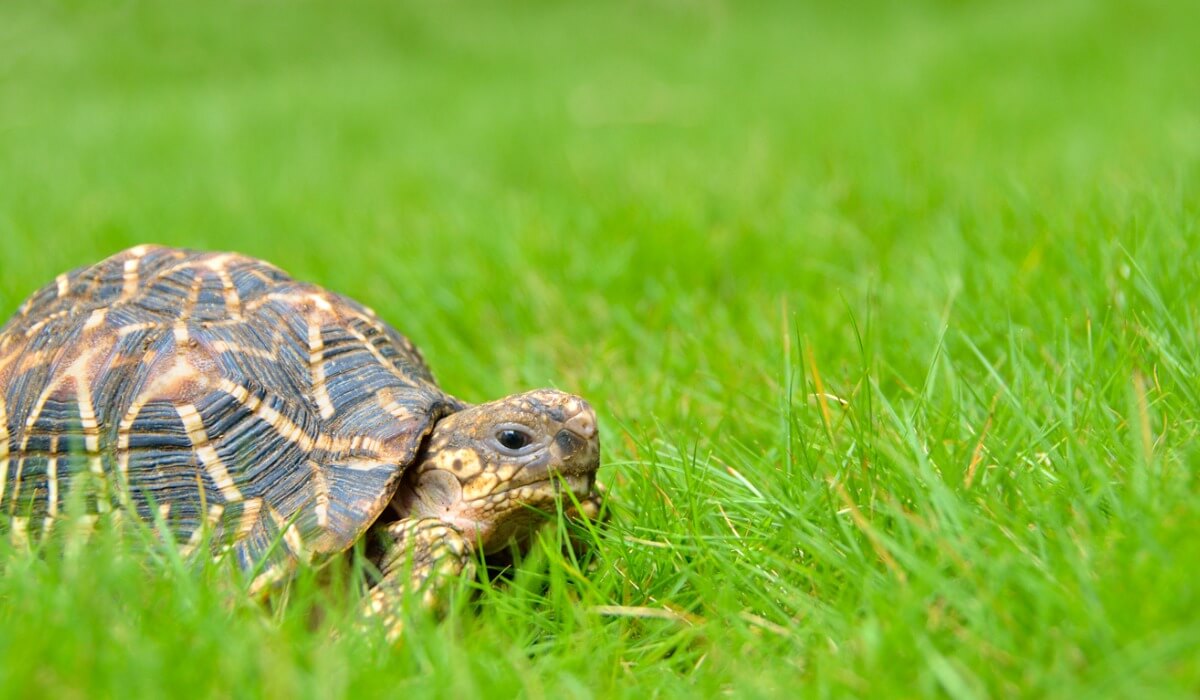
(568, 441)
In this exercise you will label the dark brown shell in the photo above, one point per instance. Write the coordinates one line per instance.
(209, 388)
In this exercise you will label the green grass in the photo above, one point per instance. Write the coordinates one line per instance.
(890, 315)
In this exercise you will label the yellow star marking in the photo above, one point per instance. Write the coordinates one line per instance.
(225, 347)
(251, 510)
(136, 327)
(233, 302)
(95, 319)
(37, 327)
(316, 364)
(213, 517)
(291, 535)
(189, 305)
(387, 401)
(194, 425)
(321, 491)
(38, 405)
(321, 302)
(294, 433)
(52, 481)
(130, 277)
(91, 431)
(19, 532)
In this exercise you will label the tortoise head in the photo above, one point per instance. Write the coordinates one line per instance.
(489, 469)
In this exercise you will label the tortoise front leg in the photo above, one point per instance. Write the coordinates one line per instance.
(420, 556)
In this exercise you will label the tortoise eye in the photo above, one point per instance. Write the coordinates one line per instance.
(512, 439)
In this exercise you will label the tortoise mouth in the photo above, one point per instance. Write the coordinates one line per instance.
(551, 484)
(513, 514)
(582, 485)
(509, 512)
(542, 495)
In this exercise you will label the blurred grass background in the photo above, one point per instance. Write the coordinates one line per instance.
(889, 310)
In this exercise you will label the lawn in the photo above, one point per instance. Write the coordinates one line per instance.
(889, 311)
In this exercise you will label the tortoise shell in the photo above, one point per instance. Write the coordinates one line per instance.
(215, 392)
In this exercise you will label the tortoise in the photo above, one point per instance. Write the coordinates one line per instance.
(272, 419)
